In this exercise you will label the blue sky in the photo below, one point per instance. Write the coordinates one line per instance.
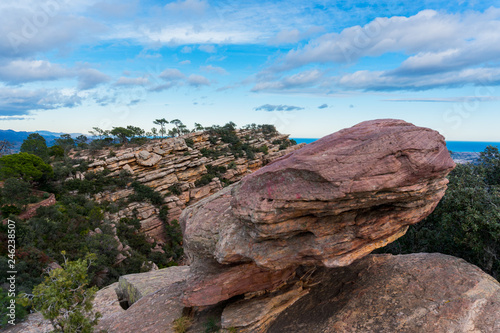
(308, 67)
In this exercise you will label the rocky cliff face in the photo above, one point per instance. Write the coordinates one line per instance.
(175, 167)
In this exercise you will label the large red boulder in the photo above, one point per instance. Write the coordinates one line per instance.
(328, 203)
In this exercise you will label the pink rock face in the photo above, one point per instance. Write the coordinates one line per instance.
(328, 203)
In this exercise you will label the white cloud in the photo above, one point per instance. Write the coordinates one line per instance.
(22, 71)
(207, 48)
(171, 74)
(293, 36)
(115, 9)
(307, 78)
(129, 81)
(214, 69)
(281, 107)
(90, 78)
(197, 80)
(185, 62)
(429, 33)
(30, 27)
(175, 78)
(188, 7)
(383, 80)
(16, 102)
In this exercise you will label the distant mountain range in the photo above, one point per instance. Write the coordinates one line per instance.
(17, 138)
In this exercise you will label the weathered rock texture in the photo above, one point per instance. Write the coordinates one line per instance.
(163, 163)
(328, 204)
(416, 293)
(133, 287)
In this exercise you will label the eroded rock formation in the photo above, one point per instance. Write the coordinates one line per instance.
(327, 204)
(164, 163)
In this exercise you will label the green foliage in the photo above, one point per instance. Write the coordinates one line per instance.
(162, 122)
(65, 299)
(145, 193)
(175, 189)
(122, 133)
(264, 149)
(128, 231)
(267, 129)
(189, 142)
(15, 192)
(81, 142)
(204, 180)
(210, 153)
(35, 144)
(9, 210)
(490, 160)
(466, 223)
(231, 165)
(97, 182)
(212, 172)
(56, 151)
(29, 167)
(66, 142)
(173, 246)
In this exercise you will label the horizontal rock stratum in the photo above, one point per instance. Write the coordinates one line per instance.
(328, 203)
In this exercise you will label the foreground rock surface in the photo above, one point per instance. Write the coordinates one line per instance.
(328, 203)
(416, 293)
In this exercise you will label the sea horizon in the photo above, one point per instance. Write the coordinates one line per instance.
(453, 146)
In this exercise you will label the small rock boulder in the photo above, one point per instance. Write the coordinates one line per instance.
(133, 287)
(146, 158)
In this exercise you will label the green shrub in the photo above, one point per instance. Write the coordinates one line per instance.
(175, 189)
(204, 180)
(65, 299)
(189, 143)
(145, 193)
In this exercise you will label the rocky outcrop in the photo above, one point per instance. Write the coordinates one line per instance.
(327, 204)
(165, 163)
(416, 293)
(133, 287)
(152, 313)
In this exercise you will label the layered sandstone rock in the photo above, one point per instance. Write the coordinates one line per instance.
(328, 204)
(164, 163)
